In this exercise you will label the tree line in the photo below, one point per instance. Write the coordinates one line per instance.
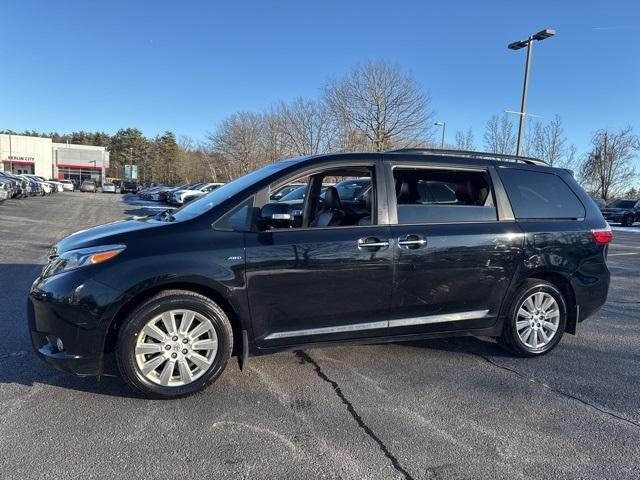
(374, 107)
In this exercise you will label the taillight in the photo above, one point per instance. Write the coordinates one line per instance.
(602, 236)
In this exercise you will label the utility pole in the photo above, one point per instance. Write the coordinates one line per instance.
(444, 126)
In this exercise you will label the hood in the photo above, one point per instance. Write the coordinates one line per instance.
(106, 234)
(614, 210)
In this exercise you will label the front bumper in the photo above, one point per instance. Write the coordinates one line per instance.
(78, 311)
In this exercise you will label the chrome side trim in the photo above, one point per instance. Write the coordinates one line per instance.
(447, 317)
(401, 322)
(324, 330)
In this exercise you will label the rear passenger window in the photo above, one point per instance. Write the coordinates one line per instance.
(539, 195)
(443, 196)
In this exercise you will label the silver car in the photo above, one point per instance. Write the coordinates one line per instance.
(108, 187)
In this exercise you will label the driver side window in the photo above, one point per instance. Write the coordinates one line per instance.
(336, 197)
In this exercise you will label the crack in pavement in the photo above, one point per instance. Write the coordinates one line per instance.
(305, 358)
(19, 353)
(558, 391)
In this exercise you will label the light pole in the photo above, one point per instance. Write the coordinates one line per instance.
(444, 126)
(541, 35)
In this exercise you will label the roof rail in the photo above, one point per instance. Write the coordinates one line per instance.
(470, 154)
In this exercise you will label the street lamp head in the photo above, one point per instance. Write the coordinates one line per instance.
(439, 124)
(541, 35)
(517, 45)
(544, 34)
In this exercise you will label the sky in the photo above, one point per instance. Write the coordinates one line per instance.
(184, 66)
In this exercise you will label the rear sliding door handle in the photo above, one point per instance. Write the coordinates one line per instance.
(370, 243)
(412, 242)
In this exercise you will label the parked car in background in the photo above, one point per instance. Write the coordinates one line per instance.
(153, 193)
(281, 192)
(108, 188)
(45, 186)
(68, 185)
(180, 197)
(165, 193)
(17, 189)
(57, 184)
(621, 211)
(8, 186)
(129, 186)
(88, 186)
(5, 190)
(33, 188)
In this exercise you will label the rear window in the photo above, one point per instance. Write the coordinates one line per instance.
(539, 195)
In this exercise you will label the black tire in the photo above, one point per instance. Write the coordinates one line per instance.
(510, 338)
(627, 221)
(162, 302)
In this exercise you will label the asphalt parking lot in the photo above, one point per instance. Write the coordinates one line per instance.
(452, 409)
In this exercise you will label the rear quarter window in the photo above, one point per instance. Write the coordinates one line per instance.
(538, 195)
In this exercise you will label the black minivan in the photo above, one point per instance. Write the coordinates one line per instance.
(444, 243)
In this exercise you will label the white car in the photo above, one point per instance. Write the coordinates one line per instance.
(108, 187)
(67, 185)
(56, 183)
(181, 197)
(47, 187)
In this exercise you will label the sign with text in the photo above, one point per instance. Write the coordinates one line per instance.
(131, 171)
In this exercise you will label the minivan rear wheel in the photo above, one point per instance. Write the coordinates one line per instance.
(536, 319)
(174, 344)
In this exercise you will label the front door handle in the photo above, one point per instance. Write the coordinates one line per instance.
(411, 242)
(367, 243)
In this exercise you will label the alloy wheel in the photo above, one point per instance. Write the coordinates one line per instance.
(538, 319)
(176, 348)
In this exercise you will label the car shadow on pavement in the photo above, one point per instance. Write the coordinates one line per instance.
(18, 362)
(483, 346)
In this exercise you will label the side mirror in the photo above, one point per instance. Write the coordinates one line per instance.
(275, 215)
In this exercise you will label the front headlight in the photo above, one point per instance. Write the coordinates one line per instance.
(81, 257)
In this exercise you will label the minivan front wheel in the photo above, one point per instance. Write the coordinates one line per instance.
(174, 344)
(536, 319)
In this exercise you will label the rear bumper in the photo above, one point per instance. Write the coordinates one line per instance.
(591, 288)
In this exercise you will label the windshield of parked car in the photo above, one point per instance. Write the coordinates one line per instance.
(228, 190)
(622, 204)
(297, 194)
(351, 189)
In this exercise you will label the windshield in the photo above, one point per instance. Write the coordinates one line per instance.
(622, 204)
(228, 190)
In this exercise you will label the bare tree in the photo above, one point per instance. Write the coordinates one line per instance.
(608, 169)
(274, 140)
(239, 139)
(307, 126)
(499, 136)
(384, 104)
(464, 140)
(548, 143)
